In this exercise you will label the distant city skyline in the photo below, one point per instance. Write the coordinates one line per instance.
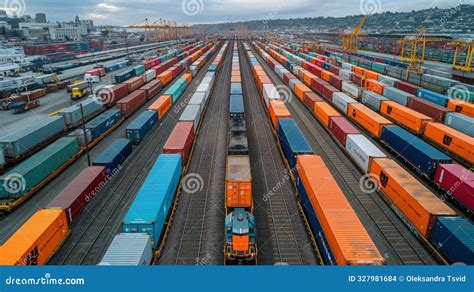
(123, 12)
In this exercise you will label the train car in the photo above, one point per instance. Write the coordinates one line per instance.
(114, 155)
(240, 234)
(180, 141)
(292, 141)
(128, 249)
(141, 126)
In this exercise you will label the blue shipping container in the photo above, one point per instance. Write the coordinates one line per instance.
(114, 155)
(292, 140)
(432, 96)
(453, 236)
(236, 107)
(151, 206)
(417, 152)
(236, 88)
(140, 127)
(124, 76)
(105, 121)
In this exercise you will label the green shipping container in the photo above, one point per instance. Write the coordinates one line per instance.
(354, 61)
(29, 173)
(175, 91)
(377, 67)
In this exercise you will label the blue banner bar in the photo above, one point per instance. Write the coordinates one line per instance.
(225, 279)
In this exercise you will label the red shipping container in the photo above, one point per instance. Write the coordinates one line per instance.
(357, 79)
(175, 71)
(407, 87)
(310, 98)
(159, 69)
(129, 104)
(457, 181)
(134, 83)
(75, 197)
(152, 88)
(180, 140)
(317, 84)
(336, 81)
(328, 91)
(334, 69)
(341, 127)
(434, 111)
(287, 77)
(112, 93)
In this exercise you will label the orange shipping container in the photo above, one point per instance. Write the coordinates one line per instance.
(462, 107)
(165, 77)
(162, 105)
(188, 77)
(347, 238)
(371, 75)
(323, 112)
(456, 142)
(263, 79)
(278, 110)
(413, 199)
(358, 70)
(36, 240)
(235, 73)
(235, 79)
(374, 85)
(238, 182)
(367, 119)
(236, 68)
(406, 117)
(326, 75)
(308, 78)
(300, 90)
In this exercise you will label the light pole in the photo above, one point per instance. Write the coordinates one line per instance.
(86, 143)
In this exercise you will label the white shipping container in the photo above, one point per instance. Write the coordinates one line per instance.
(345, 74)
(204, 87)
(198, 98)
(390, 81)
(209, 80)
(293, 82)
(352, 89)
(128, 249)
(362, 151)
(342, 101)
(270, 93)
(347, 66)
(149, 75)
(191, 113)
(194, 70)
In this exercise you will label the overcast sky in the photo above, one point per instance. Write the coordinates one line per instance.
(125, 12)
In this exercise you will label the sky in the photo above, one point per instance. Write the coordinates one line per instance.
(127, 12)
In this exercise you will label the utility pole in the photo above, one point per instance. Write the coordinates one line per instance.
(85, 135)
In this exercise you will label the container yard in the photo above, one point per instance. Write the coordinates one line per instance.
(253, 143)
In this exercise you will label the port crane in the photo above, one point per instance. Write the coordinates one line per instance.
(350, 41)
(163, 29)
(413, 50)
(463, 55)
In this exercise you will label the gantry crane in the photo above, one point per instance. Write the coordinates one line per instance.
(350, 41)
(463, 55)
(162, 29)
(413, 50)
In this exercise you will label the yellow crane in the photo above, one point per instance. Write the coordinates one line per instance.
(350, 41)
(463, 55)
(413, 50)
(162, 29)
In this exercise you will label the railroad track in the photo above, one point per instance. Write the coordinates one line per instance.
(395, 241)
(282, 236)
(197, 233)
(95, 229)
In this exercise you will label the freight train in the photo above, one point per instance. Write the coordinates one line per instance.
(102, 118)
(240, 225)
(431, 219)
(309, 172)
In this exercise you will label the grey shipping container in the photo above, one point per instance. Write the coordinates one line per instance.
(128, 249)
(342, 101)
(81, 138)
(362, 150)
(198, 98)
(72, 114)
(191, 113)
(31, 135)
(460, 122)
(397, 95)
(390, 81)
(372, 100)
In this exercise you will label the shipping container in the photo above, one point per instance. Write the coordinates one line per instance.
(149, 75)
(367, 119)
(36, 241)
(104, 122)
(198, 98)
(28, 136)
(277, 111)
(374, 85)
(300, 90)
(412, 200)
(238, 182)
(132, 102)
(323, 112)
(141, 126)
(341, 101)
(114, 155)
(292, 140)
(236, 89)
(74, 198)
(434, 97)
(362, 151)
(128, 249)
(462, 107)
(24, 176)
(458, 182)
(236, 107)
(191, 113)
(149, 210)
(340, 127)
(152, 88)
(460, 122)
(310, 98)
(407, 87)
(72, 115)
(372, 100)
(453, 237)
(434, 111)
(397, 95)
(110, 94)
(270, 92)
(180, 140)
(352, 89)
(162, 105)
(341, 237)
(456, 142)
(406, 117)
